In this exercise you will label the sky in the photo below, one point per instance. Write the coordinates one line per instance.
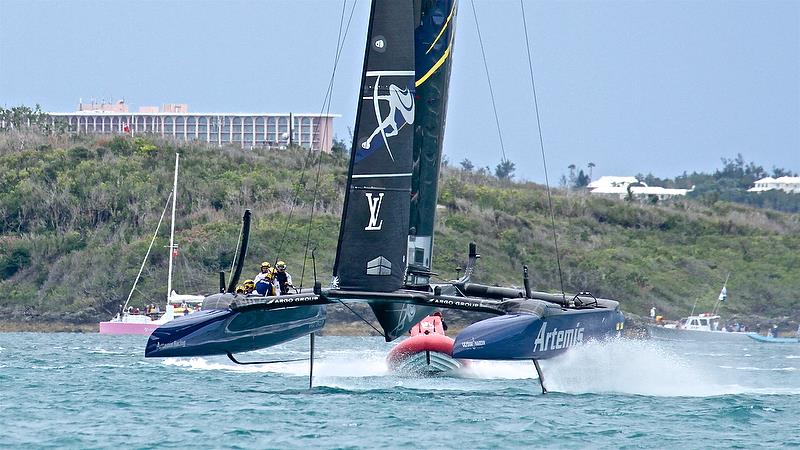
(633, 86)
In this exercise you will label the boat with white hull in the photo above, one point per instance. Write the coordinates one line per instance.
(695, 328)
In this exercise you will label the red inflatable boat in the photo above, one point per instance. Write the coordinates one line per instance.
(426, 352)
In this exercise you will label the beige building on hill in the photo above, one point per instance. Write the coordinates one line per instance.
(247, 130)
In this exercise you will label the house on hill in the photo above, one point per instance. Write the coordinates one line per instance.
(786, 184)
(611, 186)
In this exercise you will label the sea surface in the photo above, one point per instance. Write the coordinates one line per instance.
(62, 390)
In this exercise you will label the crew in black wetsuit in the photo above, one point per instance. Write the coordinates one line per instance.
(283, 278)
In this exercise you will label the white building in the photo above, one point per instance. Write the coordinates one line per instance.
(618, 187)
(786, 184)
(248, 130)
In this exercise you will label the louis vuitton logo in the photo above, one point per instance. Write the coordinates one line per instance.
(374, 210)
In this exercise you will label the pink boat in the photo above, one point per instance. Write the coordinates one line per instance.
(131, 324)
(129, 321)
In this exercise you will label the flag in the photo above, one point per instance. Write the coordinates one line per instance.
(723, 294)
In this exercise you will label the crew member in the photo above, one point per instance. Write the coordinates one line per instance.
(264, 279)
(249, 286)
(282, 278)
(439, 314)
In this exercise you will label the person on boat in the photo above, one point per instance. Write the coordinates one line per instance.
(282, 278)
(239, 289)
(432, 324)
(264, 279)
(774, 330)
(439, 315)
(249, 286)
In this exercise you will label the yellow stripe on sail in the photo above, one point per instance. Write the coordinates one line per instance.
(444, 27)
(434, 68)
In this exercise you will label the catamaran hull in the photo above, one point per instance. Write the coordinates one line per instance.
(530, 336)
(222, 331)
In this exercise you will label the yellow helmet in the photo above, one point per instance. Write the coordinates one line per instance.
(281, 265)
(266, 264)
(249, 283)
(239, 289)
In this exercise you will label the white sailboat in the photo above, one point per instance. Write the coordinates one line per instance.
(130, 321)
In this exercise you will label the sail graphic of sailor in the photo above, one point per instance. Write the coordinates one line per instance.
(401, 108)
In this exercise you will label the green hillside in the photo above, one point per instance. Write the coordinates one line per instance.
(77, 215)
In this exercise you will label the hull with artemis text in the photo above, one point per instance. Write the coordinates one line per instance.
(536, 336)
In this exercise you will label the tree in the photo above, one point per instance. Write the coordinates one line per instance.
(24, 116)
(505, 170)
(629, 197)
(778, 172)
(340, 147)
(582, 180)
(467, 165)
(571, 178)
(591, 166)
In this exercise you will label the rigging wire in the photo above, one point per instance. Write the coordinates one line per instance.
(541, 146)
(489, 80)
(362, 318)
(301, 182)
(327, 107)
(130, 294)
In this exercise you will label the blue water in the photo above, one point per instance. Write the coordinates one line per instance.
(90, 391)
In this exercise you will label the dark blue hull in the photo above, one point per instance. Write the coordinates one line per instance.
(222, 331)
(531, 336)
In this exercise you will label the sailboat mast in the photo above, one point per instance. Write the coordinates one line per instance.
(172, 228)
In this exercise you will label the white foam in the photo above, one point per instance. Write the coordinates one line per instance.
(635, 367)
(631, 367)
(503, 370)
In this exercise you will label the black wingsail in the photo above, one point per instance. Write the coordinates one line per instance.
(434, 38)
(371, 255)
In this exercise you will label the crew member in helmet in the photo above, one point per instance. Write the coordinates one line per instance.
(282, 278)
(264, 279)
(249, 286)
